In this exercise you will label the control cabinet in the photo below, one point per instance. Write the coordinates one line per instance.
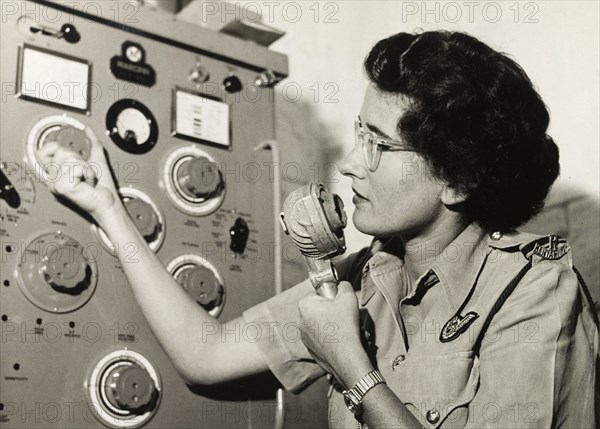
(182, 113)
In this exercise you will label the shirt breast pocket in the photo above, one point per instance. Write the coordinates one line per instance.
(437, 390)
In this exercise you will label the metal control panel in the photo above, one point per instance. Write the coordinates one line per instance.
(181, 112)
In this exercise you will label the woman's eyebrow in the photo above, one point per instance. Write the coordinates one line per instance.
(374, 129)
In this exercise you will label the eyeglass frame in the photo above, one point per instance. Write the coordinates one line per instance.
(381, 144)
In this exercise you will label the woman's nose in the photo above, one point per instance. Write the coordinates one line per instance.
(352, 164)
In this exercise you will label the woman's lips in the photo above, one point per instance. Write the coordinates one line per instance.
(358, 198)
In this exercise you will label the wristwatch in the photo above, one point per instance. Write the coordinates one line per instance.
(353, 397)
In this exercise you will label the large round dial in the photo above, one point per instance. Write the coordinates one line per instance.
(130, 387)
(202, 285)
(57, 274)
(65, 130)
(199, 178)
(65, 269)
(201, 280)
(144, 218)
(125, 390)
(193, 181)
(146, 215)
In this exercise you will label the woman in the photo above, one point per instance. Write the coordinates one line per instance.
(450, 318)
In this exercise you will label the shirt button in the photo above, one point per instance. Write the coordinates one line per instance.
(433, 416)
(397, 360)
(496, 235)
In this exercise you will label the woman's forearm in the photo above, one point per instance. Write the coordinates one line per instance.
(177, 320)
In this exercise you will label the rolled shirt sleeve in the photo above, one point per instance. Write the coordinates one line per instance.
(280, 343)
(276, 319)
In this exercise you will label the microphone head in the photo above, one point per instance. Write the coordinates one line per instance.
(315, 219)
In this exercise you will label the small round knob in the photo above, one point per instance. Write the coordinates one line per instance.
(130, 387)
(199, 178)
(144, 218)
(203, 286)
(65, 269)
(232, 84)
(70, 33)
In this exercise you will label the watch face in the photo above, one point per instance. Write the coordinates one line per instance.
(352, 406)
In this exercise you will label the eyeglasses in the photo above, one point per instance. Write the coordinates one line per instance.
(373, 144)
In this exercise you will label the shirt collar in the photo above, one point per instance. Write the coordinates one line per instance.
(459, 265)
(456, 268)
(385, 254)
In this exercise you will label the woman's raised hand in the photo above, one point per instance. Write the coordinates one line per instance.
(89, 184)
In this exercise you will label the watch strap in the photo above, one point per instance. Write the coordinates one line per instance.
(365, 384)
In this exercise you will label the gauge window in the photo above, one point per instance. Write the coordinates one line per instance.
(54, 78)
(132, 126)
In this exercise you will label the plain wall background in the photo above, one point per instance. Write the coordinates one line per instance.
(556, 42)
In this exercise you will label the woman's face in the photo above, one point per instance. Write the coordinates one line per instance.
(401, 197)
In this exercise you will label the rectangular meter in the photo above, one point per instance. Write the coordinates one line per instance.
(54, 78)
(200, 118)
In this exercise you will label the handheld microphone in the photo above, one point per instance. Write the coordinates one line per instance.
(315, 219)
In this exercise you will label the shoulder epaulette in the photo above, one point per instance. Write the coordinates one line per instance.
(549, 247)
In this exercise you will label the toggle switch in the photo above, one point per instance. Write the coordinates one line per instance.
(239, 235)
(8, 192)
(199, 74)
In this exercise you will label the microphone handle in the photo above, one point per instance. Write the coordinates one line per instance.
(327, 289)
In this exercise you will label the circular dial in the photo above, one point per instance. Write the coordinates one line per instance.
(199, 177)
(193, 181)
(147, 217)
(131, 126)
(202, 285)
(56, 274)
(125, 389)
(130, 387)
(144, 218)
(71, 138)
(201, 280)
(66, 270)
(66, 131)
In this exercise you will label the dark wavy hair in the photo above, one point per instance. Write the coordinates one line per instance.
(475, 116)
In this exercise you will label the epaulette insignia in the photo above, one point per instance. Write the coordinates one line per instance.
(456, 326)
(554, 248)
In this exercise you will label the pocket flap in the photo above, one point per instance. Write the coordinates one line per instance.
(433, 387)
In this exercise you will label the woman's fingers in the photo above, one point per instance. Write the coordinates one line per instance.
(71, 173)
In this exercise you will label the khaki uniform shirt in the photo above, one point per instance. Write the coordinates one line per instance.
(532, 366)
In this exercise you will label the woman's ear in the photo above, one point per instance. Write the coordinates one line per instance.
(451, 196)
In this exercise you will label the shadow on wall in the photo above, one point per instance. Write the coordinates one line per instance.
(575, 215)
